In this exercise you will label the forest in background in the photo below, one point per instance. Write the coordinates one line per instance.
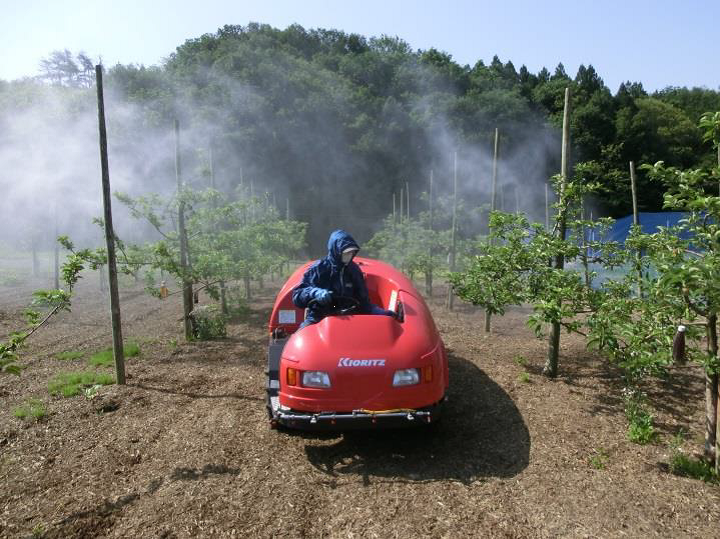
(332, 124)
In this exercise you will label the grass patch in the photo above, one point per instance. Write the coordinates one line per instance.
(38, 530)
(104, 358)
(524, 377)
(520, 361)
(70, 355)
(31, 409)
(685, 466)
(69, 384)
(599, 459)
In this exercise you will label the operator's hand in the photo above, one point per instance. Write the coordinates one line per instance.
(323, 297)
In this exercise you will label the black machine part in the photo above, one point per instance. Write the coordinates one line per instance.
(277, 344)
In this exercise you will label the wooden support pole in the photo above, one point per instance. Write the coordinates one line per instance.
(586, 248)
(101, 279)
(287, 208)
(636, 223)
(551, 365)
(394, 217)
(56, 253)
(430, 199)
(493, 203)
(547, 207)
(488, 315)
(35, 261)
(118, 352)
(453, 235)
(633, 191)
(407, 195)
(223, 288)
(182, 234)
(402, 204)
(429, 271)
(252, 201)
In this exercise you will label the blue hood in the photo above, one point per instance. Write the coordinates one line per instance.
(339, 241)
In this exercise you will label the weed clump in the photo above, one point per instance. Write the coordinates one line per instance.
(105, 358)
(695, 468)
(685, 466)
(521, 361)
(208, 323)
(31, 409)
(70, 384)
(640, 420)
(599, 459)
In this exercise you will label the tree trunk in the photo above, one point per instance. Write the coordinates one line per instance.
(711, 394)
(453, 240)
(551, 366)
(246, 278)
(429, 283)
(182, 233)
(223, 298)
(493, 195)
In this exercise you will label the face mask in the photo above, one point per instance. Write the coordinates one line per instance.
(348, 256)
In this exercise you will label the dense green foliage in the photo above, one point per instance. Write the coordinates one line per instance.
(337, 122)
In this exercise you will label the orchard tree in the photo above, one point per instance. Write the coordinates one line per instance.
(513, 267)
(46, 304)
(238, 239)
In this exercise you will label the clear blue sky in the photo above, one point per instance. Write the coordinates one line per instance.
(659, 43)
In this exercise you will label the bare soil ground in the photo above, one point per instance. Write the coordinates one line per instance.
(184, 450)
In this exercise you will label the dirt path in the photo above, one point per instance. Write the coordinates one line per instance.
(185, 451)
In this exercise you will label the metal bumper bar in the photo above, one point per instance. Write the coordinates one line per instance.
(357, 419)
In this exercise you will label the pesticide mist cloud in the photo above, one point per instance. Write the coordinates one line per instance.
(295, 147)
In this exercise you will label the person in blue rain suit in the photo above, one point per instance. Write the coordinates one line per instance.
(334, 276)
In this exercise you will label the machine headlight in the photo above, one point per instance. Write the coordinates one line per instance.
(315, 379)
(406, 377)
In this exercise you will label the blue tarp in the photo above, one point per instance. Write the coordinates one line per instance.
(649, 222)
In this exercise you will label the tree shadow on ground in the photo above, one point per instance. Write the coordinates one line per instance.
(482, 434)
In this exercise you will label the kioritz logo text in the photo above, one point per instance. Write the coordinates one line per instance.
(350, 362)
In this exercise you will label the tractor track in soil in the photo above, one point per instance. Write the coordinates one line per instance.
(184, 449)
